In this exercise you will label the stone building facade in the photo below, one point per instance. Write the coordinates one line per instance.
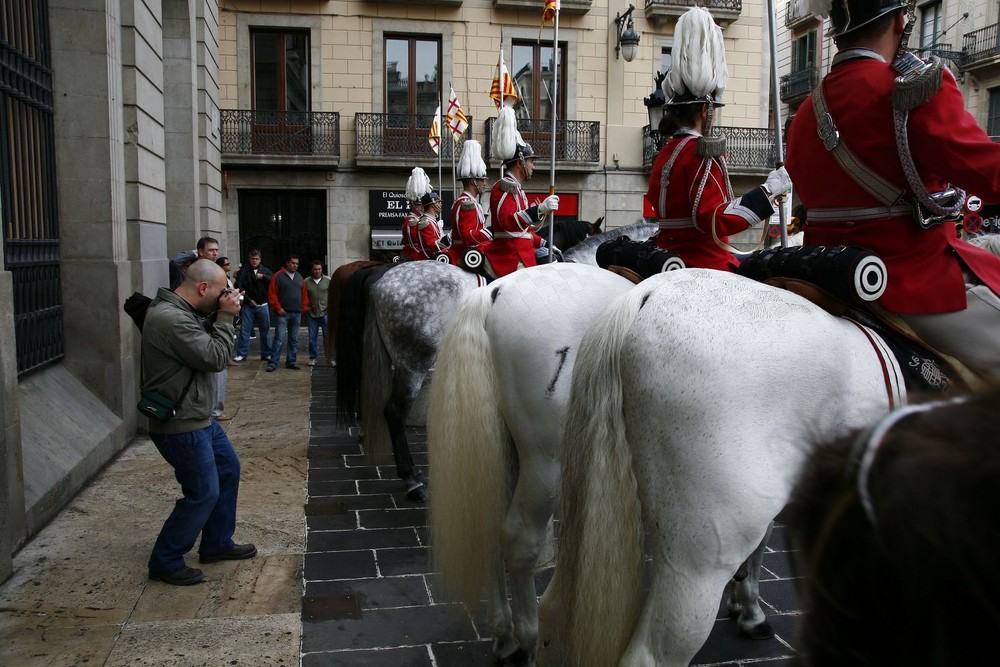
(110, 164)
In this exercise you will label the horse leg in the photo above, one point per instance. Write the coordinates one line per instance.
(677, 617)
(406, 386)
(744, 596)
(525, 531)
(499, 614)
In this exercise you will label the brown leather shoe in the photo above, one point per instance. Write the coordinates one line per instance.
(223, 418)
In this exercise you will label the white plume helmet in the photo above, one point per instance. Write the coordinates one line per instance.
(505, 134)
(698, 59)
(471, 164)
(418, 185)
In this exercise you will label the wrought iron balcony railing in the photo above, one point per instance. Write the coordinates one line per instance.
(981, 47)
(746, 147)
(724, 11)
(798, 85)
(291, 133)
(386, 136)
(796, 14)
(577, 141)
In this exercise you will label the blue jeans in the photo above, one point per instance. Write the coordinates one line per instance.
(208, 470)
(315, 324)
(250, 316)
(287, 325)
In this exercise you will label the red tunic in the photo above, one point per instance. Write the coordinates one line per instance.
(514, 237)
(692, 239)
(468, 227)
(421, 236)
(924, 265)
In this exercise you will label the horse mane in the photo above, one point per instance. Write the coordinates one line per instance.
(585, 252)
(988, 242)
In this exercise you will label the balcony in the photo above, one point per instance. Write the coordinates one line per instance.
(565, 7)
(796, 15)
(309, 139)
(981, 49)
(749, 150)
(578, 142)
(383, 138)
(796, 86)
(724, 11)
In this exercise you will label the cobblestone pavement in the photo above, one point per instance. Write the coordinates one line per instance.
(370, 596)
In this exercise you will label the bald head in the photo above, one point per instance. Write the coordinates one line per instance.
(203, 282)
(204, 270)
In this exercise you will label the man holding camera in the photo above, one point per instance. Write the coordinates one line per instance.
(188, 335)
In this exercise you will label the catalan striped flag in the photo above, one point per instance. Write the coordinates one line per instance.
(549, 13)
(434, 138)
(455, 119)
(503, 86)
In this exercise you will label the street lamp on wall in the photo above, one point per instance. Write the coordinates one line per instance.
(626, 43)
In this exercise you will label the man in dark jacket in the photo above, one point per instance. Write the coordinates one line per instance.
(254, 278)
(181, 348)
(288, 297)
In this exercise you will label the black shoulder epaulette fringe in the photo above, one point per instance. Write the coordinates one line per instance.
(917, 88)
(710, 146)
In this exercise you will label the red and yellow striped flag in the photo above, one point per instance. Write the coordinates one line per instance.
(549, 13)
(434, 137)
(503, 86)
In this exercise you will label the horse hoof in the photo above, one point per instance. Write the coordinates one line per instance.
(761, 631)
(416, 488)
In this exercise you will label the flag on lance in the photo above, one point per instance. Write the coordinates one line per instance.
(434, 138)
(455, 119)
(502, 91)
(549, 13)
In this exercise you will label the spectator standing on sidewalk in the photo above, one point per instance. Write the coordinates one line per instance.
(317, 286)
(188, 336)
(288, 297)
(222, 377)
(254, 279)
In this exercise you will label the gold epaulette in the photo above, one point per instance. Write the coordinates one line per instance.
(508, 186)
(710, 146)
(917, 86)
(468, 204)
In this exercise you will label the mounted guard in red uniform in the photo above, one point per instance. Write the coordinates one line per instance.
(515, 241)
(468, 220)
(689, 185)
(873, 153)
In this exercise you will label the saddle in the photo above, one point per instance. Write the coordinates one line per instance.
(845, 281)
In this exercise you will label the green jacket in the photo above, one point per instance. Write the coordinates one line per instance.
(317, 295)
(177, 341)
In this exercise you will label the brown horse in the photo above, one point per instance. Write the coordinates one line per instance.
(337, 282)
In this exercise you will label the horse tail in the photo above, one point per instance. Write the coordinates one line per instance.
(470, 449)
(599, 574)
(338, 282)
(350, 328)
(376, 388)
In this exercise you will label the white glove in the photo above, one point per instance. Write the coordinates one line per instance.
(778, 182)
(550, 203)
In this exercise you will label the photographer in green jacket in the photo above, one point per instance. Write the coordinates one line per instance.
(188, 335)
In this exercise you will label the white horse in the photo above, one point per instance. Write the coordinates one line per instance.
(677, 433)
(497, 402)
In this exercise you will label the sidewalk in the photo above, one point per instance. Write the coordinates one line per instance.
(80, 593)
